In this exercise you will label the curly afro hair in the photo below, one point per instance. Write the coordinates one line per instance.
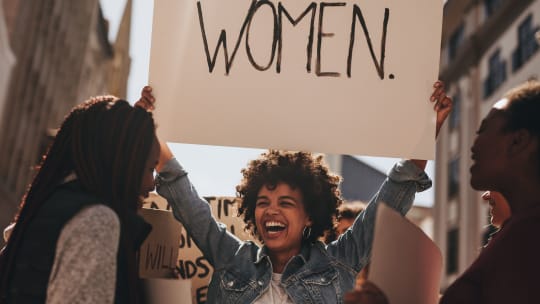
(299, 170)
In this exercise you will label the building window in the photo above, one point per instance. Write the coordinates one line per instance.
(453, 178)
(455, 115)
(496, 75)
(455, 42)
(527, 44)
(492, 6)
(452, 244)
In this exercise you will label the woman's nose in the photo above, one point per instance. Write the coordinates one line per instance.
(272, 210)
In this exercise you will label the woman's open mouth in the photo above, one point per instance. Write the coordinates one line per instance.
(274, 228)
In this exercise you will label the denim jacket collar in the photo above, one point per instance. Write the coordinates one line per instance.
(262, 253)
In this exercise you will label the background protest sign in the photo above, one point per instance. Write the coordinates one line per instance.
(350, 77)
(191, 264)
(405, 263)
(158, 253)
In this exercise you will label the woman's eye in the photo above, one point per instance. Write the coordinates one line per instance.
(261, 204)
(287, 204)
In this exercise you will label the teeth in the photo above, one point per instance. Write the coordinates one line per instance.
(274, 224)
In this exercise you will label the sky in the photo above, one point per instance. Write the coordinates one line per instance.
(215, 171)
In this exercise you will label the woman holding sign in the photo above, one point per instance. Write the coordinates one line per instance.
(288, 201)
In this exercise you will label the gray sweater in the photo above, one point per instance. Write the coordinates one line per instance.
(84, 269)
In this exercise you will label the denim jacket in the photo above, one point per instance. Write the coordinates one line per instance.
(319, 274)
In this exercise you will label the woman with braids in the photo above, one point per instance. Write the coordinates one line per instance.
(77, 231)
(288, 201)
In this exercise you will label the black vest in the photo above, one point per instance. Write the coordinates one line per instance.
(35, 255)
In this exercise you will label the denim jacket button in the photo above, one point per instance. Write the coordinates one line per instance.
(260, 283)
(230, 284)
(323, 280)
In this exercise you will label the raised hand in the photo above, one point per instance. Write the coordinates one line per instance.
(443, 104)
(147, 100)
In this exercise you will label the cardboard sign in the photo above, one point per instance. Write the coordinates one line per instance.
(191, 264)
(405, 263)
(350, 77)
(159, 252)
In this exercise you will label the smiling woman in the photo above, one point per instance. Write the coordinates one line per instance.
(289, 199)
(281, 218)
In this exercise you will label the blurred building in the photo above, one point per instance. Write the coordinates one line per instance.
(63, 56)
(488, 47)
(121, 62)
(360, 180)
(7, 59)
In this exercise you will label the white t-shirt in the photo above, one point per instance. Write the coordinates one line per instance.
(275, 294)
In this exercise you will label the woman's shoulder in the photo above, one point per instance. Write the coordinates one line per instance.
(94, 220)
(98, 213)
(95, 229)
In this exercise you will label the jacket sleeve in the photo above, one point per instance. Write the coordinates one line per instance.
(354, 246)
(216, 243)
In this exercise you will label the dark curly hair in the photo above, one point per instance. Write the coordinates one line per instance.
(299, 170)
(347, 210)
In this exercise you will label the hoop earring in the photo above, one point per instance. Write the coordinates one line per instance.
(306, 233)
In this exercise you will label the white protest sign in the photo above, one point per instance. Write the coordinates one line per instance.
(350, 77)
(191, 264)
(405, 263)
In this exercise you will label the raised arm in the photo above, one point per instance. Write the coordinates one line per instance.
(397, 191)
(212, 237)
